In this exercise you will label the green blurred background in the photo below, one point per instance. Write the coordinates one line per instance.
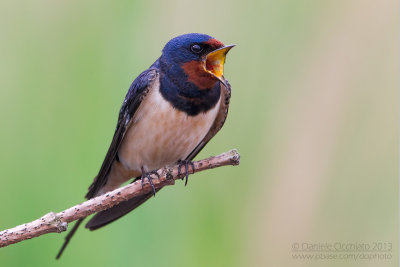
(313, 113)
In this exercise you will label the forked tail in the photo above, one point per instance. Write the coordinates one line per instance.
(68, 237)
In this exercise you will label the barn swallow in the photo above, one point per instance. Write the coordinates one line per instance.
(171, 111)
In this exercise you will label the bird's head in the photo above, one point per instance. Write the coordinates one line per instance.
(199, 57)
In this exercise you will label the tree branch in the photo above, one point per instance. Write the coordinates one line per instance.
(58, 222)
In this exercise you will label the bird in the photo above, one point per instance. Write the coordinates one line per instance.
(170, 112)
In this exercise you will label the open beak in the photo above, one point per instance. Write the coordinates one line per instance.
(214, 62)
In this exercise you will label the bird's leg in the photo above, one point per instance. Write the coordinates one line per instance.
(148, 176)
(185, 163)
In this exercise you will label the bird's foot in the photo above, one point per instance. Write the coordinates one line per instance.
(150, 179)
(185, 163)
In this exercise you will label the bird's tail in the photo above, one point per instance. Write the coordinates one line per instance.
(68, 237)
(105, 217)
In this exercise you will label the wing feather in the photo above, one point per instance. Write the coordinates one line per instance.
(136, 93)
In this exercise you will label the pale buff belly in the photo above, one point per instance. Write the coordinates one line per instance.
(161, 135)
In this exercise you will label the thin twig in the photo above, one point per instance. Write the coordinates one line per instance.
(58, 222)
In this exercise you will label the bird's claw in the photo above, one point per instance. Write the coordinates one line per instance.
(185, 163)
(150, 179)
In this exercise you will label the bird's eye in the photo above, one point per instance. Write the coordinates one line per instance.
(196, 48)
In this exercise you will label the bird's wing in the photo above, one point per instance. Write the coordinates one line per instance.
(219, 120)
(136, 93)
